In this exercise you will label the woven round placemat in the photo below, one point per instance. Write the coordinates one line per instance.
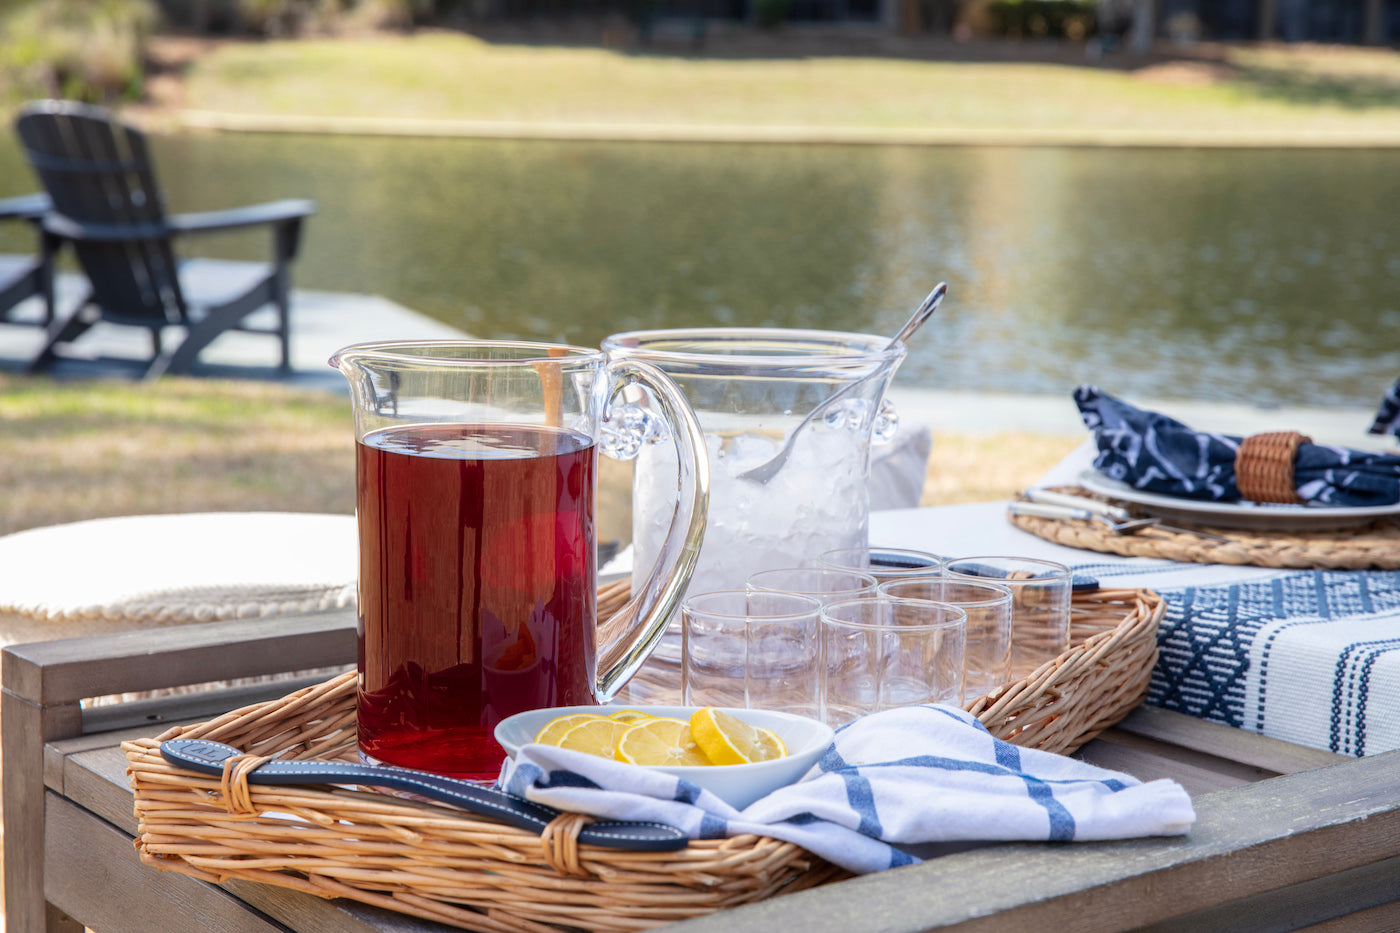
(1373, 546)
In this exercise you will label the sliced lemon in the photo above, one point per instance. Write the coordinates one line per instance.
(630, 715)
(660, 742)
(597, 737)
(553, 730)
(727, 740)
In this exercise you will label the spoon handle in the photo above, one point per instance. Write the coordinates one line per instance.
(923, 313)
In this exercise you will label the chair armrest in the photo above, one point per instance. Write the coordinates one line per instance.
(72, 669)
(25, 207)
(273, 212)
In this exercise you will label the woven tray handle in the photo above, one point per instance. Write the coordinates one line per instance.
(1264, 467)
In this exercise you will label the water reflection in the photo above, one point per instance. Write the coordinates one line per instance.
(1271, 277)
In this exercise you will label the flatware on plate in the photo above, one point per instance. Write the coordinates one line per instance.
(1047, 503)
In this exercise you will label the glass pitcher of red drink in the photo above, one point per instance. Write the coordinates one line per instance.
(476, 465)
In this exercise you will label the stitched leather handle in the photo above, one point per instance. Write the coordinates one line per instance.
(209, 757)
(1264, 467)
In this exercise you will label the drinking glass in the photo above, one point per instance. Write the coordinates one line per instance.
(882, 563)
(987, 652)
(475, 482)
(1040, 601)
(753, 650)
(883, 652)
(822, 584)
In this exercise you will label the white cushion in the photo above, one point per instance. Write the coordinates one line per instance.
(167, 569)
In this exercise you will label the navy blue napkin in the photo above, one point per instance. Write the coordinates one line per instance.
(1388, 413)
(1150, 451)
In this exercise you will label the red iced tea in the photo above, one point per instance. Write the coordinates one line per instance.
(477, 600)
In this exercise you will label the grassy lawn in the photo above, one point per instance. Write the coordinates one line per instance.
(77, 450)
(1302, 91)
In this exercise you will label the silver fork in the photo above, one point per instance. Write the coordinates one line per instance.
(1106, 512)
(1049, 510)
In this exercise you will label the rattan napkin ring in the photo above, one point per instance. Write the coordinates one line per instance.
(1264, 467)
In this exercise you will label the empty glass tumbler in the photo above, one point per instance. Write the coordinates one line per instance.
(987, 653)
(1040, 604)
(882, 652)
(753, 650)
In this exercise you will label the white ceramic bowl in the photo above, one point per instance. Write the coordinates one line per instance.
(738, 785)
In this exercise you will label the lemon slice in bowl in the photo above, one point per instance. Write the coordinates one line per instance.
(551, 732)
(655, 741)
(598, 737)
(727, 740)
(630, 715)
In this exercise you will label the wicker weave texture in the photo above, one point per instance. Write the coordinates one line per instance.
(440, 864)
(1373, 546)
(1264, 467)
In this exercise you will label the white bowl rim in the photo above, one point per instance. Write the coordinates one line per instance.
(823, 734)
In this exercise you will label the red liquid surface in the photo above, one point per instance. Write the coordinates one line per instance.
(477, 599)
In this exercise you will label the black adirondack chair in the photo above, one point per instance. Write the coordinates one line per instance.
(107, 204)
(27, 277)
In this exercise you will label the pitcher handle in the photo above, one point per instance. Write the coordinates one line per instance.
(648, 612)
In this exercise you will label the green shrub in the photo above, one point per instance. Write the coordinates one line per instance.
(771, 13)
(88, 50)
(1042, 19)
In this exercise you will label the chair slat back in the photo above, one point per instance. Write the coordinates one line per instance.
(98, 170)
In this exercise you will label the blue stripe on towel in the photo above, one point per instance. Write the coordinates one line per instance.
(862, 801)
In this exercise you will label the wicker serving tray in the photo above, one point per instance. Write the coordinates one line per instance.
(1372, 546)
(441, 864)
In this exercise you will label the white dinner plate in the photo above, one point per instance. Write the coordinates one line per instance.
(1257, 516)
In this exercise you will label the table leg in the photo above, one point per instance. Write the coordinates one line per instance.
(28, 726)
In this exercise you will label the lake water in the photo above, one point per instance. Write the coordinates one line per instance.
(1267, 277)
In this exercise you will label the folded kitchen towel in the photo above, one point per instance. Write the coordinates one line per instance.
(1150, 451)
(891, 782)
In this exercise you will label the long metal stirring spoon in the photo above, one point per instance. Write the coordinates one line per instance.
(766, 471)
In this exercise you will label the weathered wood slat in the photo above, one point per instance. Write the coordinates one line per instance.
(1226, 742)
(1149, 764)
(76, 669)
(1320, 901)
(92, 872)
(1249, 840)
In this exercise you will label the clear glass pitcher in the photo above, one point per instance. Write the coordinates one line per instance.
(476, 477)
(753, 390)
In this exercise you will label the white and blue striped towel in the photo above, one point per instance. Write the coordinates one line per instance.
(892, 783)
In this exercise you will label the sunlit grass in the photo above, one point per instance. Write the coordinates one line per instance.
(71, 451)
(78, 450)
(457, 77)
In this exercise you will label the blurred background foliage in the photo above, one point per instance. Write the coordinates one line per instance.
(84, 49)
(94, 50)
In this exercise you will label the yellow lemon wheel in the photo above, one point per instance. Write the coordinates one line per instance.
(630, 715)
(553, 730)
(598, 737)
(660, 742)
(727, 740)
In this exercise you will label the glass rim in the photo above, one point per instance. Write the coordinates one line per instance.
(872, 552)
(689, 607)
(871, 583)
(858, 347)
(1057, 569)
(959, 619)
(1006, 596)
(419, 352)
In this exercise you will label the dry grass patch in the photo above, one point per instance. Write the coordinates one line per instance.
(76, 450)
(985, 468)
(72, 451)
